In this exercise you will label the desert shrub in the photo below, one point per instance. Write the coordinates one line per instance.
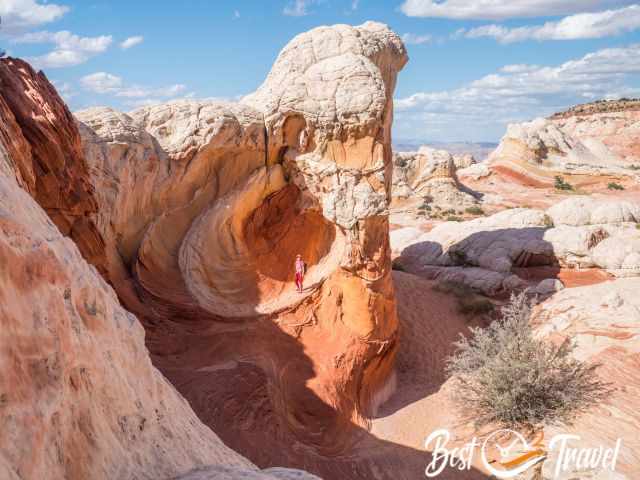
(637, 226)
(475, 305)
(614, 186)
(453, 218)
(506, 376)
(548, 221)
(454, 288)
(474, 210)
(634, 167)
(560, 184)
(397, 265)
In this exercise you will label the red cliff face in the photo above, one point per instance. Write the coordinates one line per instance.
(42, 140)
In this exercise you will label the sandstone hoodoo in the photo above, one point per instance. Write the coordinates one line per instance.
(205, 205)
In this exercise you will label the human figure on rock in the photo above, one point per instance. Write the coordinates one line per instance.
(300, 270)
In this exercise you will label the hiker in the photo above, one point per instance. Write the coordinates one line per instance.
(300, 268)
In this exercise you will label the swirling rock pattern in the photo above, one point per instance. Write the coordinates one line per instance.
(204, 206)
(79, 396)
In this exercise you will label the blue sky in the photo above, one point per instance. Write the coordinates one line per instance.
(475, 65)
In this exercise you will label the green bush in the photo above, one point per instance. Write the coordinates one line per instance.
(453, 218)
(397, 265)
(469, 302)
(475, 305)
(560, 184)
(614, 186)
(506, 376)
(474, 210)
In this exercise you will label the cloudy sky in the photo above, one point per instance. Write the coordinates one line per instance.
(475, 65)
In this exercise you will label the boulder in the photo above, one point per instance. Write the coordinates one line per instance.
(583, 210)
(430, 174)
(579, 232)
(548, 286)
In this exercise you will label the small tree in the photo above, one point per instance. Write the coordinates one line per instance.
(561, 184)
(506, 376)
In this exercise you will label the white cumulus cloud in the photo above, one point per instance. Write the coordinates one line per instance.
(481, 109)
(131, 42)
(70, 49)
(503, 9)
(413, 39)
(22, 14)
(107, 83)
(101, 82)
(573, 27)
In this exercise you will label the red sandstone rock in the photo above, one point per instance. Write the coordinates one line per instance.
(43, 143)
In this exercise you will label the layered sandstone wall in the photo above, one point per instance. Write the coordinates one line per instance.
(44, 150)
(582, 145)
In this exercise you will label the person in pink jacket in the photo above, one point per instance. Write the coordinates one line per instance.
(300, 270)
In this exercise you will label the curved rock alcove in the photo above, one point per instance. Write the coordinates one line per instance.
(203, 207)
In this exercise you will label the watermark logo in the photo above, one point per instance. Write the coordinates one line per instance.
(506, 454)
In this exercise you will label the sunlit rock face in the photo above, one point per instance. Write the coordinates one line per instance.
(204, 206)
(429, 176)
(602, 321)
(586, 141)
(44, 153)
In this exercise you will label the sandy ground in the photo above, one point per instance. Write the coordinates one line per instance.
(430, 325)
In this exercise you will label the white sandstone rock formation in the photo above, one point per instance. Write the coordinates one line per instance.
(79, 392)
(430, 174)
(603, 321)
(576, 233)
(586, 144)
(235, 473)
